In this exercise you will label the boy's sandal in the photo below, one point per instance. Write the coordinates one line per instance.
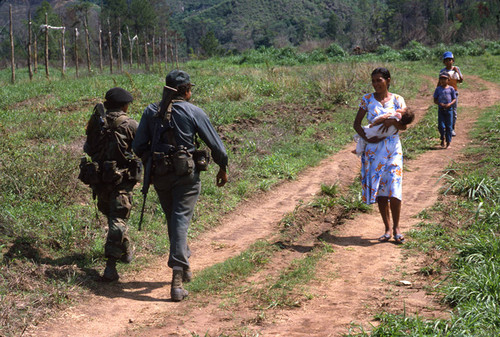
(399, 238)
(384, 238)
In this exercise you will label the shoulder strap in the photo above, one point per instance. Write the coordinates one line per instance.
(118, 120)
(170, 129)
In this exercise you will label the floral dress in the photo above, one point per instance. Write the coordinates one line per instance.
(382, 162)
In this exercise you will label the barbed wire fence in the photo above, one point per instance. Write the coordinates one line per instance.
(153, 53)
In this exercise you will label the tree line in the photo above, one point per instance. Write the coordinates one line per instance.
(365, 24)
(111, 35)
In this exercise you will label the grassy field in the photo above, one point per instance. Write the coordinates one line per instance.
(275, 120)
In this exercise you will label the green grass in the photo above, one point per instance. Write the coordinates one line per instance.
(275, 120)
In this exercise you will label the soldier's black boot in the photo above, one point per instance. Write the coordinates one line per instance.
(177, 292)
(110, 273)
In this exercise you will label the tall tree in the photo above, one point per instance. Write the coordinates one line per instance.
(143, 17)
(210, 45)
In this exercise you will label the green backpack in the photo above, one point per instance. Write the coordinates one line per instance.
(108, 149)
(103, 142)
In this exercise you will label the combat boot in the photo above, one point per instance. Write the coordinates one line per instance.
(110, 273)
(187, 275)
(177, 292)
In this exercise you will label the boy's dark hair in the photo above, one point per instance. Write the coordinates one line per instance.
(407, 117)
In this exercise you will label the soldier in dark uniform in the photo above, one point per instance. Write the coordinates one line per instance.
(117, 170)
(167, 132)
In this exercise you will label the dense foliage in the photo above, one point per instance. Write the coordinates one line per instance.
(207, 28)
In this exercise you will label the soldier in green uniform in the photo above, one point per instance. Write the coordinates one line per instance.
(112, 172)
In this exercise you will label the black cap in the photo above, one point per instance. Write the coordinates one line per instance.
(176, 78)
(118, 95)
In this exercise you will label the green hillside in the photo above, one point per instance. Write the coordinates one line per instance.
(242, 24)
(214, 27)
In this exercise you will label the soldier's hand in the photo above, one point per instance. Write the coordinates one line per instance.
(221, 178)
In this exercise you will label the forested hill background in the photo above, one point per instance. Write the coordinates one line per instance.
(208, 27)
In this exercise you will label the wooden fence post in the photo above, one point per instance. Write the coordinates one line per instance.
(47, 46)
(159, 53)
(138, 53)
(76, 51)
(176, 51)
(87, 44)
(146, 53)
(120, 51)
(130, 46)
(153, 51)
(165, 41)
(12, 60)
(100, 49)
(30, 69)
(110, 48)
(35, 54)
(63, 50)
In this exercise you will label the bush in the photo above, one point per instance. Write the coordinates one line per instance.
(388, 54)
(416, 52)
(335, 50)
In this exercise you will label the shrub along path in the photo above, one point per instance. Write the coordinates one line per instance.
(361, 277)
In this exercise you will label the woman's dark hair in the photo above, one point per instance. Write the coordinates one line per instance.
(382, 71)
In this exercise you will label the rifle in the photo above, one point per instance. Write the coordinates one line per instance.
(145, 186)
(147, 174)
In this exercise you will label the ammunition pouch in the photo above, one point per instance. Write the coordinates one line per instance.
(135, 169)
(162, 164)
(182, 161)
(89, 172)
(201, 159)
(110, 173)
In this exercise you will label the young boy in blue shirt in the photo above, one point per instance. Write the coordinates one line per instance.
(445, 97)
(455, 78)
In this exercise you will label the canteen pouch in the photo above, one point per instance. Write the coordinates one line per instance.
(182, 161)
(110, 173)
(135, 169)
(89, 172)
(162, 164)
(201, 159)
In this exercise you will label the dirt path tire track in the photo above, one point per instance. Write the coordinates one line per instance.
(138, 300)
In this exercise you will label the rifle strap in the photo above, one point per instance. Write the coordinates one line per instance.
(170, 130)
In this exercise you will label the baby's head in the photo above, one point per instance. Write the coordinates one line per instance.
(407, 117)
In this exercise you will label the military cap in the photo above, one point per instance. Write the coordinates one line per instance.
(119, 96)
(175, 78)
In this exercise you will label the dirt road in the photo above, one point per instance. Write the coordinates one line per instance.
(353, 283)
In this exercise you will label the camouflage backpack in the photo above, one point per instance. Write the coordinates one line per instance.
(108, 149)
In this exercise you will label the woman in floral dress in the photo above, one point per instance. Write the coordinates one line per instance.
(382, 161)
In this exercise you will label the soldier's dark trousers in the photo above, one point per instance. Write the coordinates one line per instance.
(178, 196)
(116, 204)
